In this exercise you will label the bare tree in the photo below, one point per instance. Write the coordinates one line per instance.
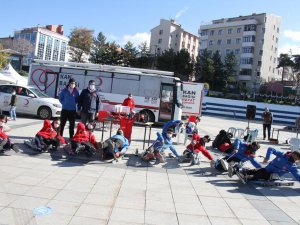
(23, 46)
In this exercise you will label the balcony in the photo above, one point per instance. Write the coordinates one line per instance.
(245, 78)
(247, 55)
(252, 33)
(248, 44)
(204, 37)
(246, 66)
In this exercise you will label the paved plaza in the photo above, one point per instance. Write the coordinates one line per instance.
(82, 191)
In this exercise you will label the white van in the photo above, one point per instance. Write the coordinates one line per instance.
(30, 101)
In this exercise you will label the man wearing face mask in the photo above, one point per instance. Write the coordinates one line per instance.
(89, 103)
(68, 98)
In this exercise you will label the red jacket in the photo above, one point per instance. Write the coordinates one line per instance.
(195, 140)
(82, 134)
(129, 102)
(3, 135)
(47, 131)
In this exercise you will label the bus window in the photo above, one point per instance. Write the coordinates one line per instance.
(166, 102)
(178, 94)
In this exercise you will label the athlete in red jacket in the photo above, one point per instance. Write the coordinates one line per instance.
(84, 140)
(5, 142)
(129, 102)
(47, 138)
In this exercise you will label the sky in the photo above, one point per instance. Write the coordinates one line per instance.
(132, 20)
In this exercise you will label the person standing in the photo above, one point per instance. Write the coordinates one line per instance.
(129, 102)
(69, 99)
(89, 103)
(13, 104)
(267, 118)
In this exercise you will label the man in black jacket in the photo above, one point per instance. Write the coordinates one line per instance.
(89, 103)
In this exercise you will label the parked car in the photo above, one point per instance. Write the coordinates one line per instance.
(30, 101)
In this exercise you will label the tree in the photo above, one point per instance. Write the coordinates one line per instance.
(183, 65)
(144, 49)
(204, 67)
(285, 62)
(129, 54)
(229, 68)
(114, 56)
(3, 58)
(23, 46)
(218, 81)
(99, 49)
(80, 43)
(166, 61)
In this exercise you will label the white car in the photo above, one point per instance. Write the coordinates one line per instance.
(30, 101)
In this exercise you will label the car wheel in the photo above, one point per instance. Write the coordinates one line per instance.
(44, 113)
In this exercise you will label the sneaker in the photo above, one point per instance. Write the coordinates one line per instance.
(79, 149)
(161, 158)
(231, 171)
(224, 164)
(15, 148)
(47, 148)
(171, 156)
(212, 164)
(242, 177)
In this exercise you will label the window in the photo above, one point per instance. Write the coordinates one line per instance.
(247, 49)
(160, 32)
(274, 60)
(246, 72)
(274, 27)
(258, 74)
(212, 33)
(249, 38)
(159, 41)
(262, 41)
(220, 32)
(203, 33)
(271, 47)
(219, 42)
(263, 30)
(246, 60)
(273, 38)
(271, 58)
(63, 49)
(260, 52)
(237, 40)
(259, 63)
(55, 50)
(273, 70)
(277, 40)
(237, 51)
(49, 48)
(238, 30)
(41, 46)
(275, 50)
(277, 29)
(229, 31)
(211, 42)
(228, 51)
(250, 27)
(6, 88)
(228, 41)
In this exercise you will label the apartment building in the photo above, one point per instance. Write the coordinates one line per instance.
(254, 41)
(170, 35)
(48, 43)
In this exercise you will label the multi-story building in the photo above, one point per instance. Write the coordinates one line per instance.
(170, 35)
(47, 43)
(254, 41)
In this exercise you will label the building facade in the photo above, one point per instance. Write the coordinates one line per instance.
(170, 35)
(47, 43)
(254, 41)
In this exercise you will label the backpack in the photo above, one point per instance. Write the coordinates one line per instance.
(222, 137)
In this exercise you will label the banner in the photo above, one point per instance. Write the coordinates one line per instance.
(192, 98)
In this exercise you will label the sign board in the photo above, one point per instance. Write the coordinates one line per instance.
(192, 98)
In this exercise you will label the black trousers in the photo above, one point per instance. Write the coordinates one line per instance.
(69, 115)
(267, 126)
(258, 174)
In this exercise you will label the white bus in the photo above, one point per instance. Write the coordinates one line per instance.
(157, 94)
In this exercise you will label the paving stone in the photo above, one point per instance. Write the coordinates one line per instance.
(162, 218)
(224, 221)
(62, 207)
(99, 199)
(77, 220)
(54, 218)
(190, 208)
(276, 215)
(94, 211)
(160, 206)
(218, 211)
(42, 192)
(15, 216)
(71, 196)
(192, 219)
(26, 202)
(53, 183)
(282, 223)
(254, 222)
(247, 213)
(6, 199)
(127, 215)
(130, 203)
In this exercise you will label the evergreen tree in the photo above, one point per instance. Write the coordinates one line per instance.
(229, 69)
(183, 65)
(204, 67)
(218, 81)
(99, 50)
(129, 54)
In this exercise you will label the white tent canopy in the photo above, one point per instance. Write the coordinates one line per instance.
(9, 75)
